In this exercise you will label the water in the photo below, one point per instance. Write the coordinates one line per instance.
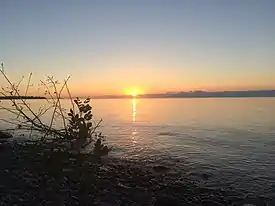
(233, 140)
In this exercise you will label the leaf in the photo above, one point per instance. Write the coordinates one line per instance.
(89, 124)
(88, 118)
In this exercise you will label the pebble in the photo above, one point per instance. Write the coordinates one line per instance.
(5, 135)
(160, 168)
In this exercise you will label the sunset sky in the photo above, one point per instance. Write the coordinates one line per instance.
(151, 46)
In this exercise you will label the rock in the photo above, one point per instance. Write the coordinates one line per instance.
(74, 197)
(5, 135)
(104, 168)
(163, 200)
(65, 179)
(205, 176)
(107, 204)
(67, 169)
(160, 168)
(199, 176)
(211, 203)
(122, 185)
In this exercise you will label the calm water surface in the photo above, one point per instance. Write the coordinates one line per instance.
(233, 140)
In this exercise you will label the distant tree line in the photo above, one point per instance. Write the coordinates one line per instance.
(22, 97)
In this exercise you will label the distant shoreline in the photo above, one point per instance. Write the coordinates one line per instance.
(20, 97)
(198, 94)
(214, 97)
(172, 95)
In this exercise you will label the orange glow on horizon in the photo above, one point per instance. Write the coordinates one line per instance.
(133, 92)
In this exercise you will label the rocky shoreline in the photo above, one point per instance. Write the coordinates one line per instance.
(31, 174)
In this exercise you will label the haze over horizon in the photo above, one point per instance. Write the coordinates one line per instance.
(120, 47)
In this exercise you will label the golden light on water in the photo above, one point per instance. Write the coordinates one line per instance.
(134, 114)
(134, 109)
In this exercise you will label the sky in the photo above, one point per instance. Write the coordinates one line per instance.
(152, 46)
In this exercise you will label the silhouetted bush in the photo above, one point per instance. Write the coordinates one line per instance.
(79, 130)
(82, 131)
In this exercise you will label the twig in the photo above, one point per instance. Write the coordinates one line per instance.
(28, 85)
(70, 96)
(57, 104)
(17, 93)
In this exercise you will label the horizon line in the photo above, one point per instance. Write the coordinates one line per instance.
(194, 94)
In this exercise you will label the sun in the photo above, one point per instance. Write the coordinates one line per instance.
(134, 92)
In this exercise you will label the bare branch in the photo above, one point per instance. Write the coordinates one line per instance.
(28, 85)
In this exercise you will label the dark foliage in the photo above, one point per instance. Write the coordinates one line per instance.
(82, 130)
(78, 130)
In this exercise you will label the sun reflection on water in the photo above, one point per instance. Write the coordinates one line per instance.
(134, 114)
(134, 109)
